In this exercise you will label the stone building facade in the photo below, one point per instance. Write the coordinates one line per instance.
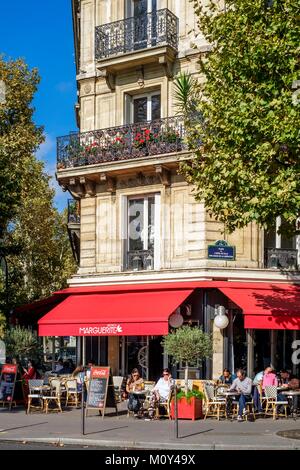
(137, 220)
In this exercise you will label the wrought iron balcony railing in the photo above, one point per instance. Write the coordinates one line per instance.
(280, 258)
(140, 260)
(73, 211)
(159, 27)
(121, 143)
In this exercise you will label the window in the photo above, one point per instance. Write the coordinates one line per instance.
(141, 24)
(280, 251)
(142, 108)
(142, 243)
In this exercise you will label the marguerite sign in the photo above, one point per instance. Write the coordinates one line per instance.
(109, 329)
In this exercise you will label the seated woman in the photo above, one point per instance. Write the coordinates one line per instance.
(134, 383)
(31, 372)
(226, 377)
(161, 391)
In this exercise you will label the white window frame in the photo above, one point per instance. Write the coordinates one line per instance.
(157, 225)
(149, 103)
(130, 8)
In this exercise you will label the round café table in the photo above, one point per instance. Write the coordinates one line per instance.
(229, 396)
(291, 394)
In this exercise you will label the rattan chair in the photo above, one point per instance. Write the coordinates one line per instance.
(54, 397)
(272, 402)
(215, 407)
(34, 395)
(73, 396)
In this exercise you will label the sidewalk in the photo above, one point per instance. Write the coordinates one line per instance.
(123, 432)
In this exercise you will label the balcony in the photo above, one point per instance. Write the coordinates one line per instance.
(140, 260)
(141, 39)
(129, 142)
(280, 258)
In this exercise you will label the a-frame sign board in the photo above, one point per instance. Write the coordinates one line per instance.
(101, 393)
(8, 383)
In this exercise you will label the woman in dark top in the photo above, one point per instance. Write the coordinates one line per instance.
(226, 378)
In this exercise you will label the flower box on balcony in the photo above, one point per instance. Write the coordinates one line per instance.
(189, 405)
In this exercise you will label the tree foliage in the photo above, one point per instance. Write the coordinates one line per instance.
(19, 136)
(248, 166)
(33, 234)
(23, 343)
(188, 345)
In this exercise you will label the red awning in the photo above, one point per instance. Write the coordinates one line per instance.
(267, 306)
(113, 314)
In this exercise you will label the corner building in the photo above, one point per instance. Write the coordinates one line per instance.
(145, 248)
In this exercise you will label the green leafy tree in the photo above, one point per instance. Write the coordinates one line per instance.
(19, 136)
(33, 234)
(247, 167)
(23, 343)
(44, 261)
(188, 345)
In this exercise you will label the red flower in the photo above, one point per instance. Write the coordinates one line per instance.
(147, 131)
(142, 141)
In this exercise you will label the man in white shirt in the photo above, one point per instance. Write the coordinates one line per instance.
(161, 391)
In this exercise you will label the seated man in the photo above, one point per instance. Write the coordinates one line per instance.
(243, 385)
(161, 391)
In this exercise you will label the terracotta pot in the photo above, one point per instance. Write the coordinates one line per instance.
(188, 409)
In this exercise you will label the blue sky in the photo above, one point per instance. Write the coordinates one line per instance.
(41, 33)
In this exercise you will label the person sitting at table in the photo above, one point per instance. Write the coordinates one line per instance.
(161, 391)
(284, 377)
(135, 383)
(30, 373)
(226, 377)
(243, 385)
(59, 366)
(269, 378)
(256, 390)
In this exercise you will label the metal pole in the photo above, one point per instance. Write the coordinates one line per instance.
(82, 391)
(176, 412)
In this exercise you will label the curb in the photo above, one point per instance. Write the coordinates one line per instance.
(131, 445)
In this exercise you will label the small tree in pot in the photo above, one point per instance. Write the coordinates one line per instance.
(188, 345)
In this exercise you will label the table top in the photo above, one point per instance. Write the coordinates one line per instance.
(139, 392)
(291, 392)
(232, 393)
(41, 388)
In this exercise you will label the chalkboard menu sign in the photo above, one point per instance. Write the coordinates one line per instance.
(7, 383)
(101, 390)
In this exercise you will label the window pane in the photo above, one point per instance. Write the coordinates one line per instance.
(155, 107)
(140, 109)
(135, 222)
(140, 7)
(151, 207)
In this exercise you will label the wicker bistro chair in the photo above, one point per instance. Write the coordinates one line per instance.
(73, 396)
(249, 407)
(34, 395)
(214, 406)
(165, 406)
(272, 402)
(54, 397)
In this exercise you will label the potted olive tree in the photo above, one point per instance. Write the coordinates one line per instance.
(188, 345)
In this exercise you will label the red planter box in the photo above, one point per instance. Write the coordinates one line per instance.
(191, 409)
